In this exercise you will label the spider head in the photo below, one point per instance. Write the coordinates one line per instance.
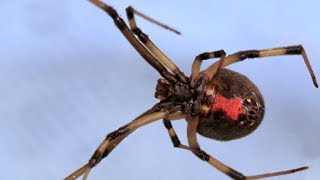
(177, 92)
(163, 89)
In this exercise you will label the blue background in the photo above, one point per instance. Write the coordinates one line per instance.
(68, 77)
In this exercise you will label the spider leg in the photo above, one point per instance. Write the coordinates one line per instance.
(131, 10)
(84, 168)
(280, 51)
(173, 136)
(194, 147)
(134, 41)
(114, 138)
(150, 45)
(193, 143)
(198, 61)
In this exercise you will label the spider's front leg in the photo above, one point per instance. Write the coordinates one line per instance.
(158, 112)
(113, 139)
(150, 45)
(128, 34)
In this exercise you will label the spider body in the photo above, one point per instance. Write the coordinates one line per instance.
(229, 106)
(217, 103)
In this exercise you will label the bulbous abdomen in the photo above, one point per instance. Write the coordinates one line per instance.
(216, 124)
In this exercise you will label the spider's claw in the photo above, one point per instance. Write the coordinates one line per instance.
(314, 80)
(316, 84)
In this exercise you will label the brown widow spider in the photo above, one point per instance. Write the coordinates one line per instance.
(217, 103)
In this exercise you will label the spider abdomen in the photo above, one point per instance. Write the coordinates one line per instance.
(237, 109)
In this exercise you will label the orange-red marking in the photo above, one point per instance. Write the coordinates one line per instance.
(232, 107)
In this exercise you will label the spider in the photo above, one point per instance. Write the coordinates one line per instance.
(217, 103)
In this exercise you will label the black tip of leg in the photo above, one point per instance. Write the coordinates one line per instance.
(302, 168)
(294, 49)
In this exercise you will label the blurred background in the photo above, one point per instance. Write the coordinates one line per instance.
(68, 77)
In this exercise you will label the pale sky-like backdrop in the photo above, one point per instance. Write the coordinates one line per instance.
(68, 77)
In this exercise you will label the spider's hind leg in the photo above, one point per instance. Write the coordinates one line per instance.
(232, 173)
(279, 51)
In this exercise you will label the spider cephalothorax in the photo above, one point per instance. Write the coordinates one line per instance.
(174, 92)
(217, 103)
(181, 94)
